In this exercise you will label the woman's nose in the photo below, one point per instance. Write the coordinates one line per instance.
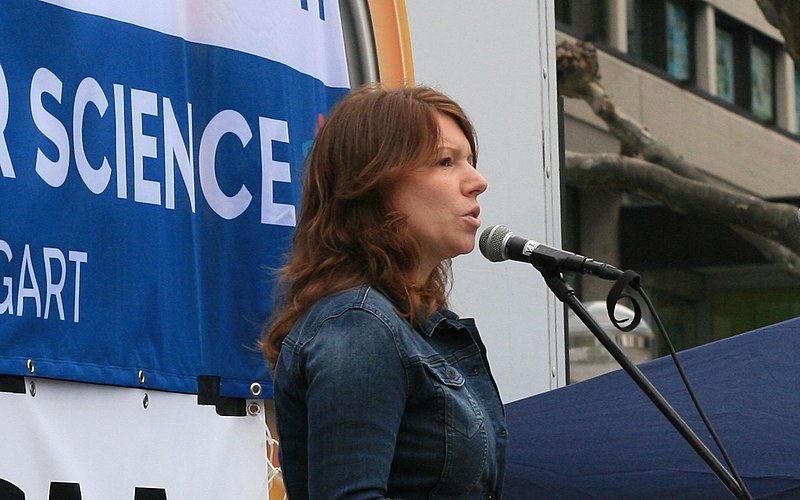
(477, 184)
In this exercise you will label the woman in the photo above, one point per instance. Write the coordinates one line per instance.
(380, 391)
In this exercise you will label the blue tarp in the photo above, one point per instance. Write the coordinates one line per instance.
(603, 438)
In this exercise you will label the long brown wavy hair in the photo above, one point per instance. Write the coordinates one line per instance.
(346, 235)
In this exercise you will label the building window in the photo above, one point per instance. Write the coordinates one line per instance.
(726, 81)
(745, 68)
(797, 99)
(636, 22)
(660, 34)
(761, 86)
(586, 19)
(740, 310)
(678, 41)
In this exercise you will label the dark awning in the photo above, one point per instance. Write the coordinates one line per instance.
(603, 438)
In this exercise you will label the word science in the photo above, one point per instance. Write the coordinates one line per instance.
(146, 142)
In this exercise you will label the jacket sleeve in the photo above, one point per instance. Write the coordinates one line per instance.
(356, 395)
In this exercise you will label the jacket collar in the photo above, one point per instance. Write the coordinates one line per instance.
(441, 318)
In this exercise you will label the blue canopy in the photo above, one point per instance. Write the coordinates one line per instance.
(603, 438)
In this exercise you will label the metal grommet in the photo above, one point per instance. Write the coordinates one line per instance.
(32, 388)
(31, 366)
(255, 389)
(146, 401)
(253, 409)
(141, 377)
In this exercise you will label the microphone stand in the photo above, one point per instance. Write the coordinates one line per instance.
(564, 292)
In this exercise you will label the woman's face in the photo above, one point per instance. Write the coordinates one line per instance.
(440, 199)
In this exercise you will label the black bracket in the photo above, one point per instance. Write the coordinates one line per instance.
(208, 394)
(13, 383)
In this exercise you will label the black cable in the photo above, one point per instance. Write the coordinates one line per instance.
(689, 389)
(565, 293)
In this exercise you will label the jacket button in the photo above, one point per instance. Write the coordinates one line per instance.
(503, 433)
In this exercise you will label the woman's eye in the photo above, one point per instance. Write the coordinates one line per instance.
(445, 162)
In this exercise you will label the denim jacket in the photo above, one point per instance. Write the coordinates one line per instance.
(368, 407)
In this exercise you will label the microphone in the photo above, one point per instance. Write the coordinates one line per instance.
(498, 243)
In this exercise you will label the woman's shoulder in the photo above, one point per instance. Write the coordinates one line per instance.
(365, 298)
(363, 304)
(344, 339)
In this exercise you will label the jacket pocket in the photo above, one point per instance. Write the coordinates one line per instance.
(460, 410)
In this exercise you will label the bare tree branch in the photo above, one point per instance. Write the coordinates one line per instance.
(579, 77)
(774, 229)
(775, 225)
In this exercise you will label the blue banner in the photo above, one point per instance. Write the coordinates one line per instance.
(150, 180)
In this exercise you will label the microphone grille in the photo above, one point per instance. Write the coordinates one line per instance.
(491, 242)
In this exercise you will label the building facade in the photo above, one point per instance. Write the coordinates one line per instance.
(710, 79)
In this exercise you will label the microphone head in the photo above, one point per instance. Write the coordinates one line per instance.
(492, 242)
